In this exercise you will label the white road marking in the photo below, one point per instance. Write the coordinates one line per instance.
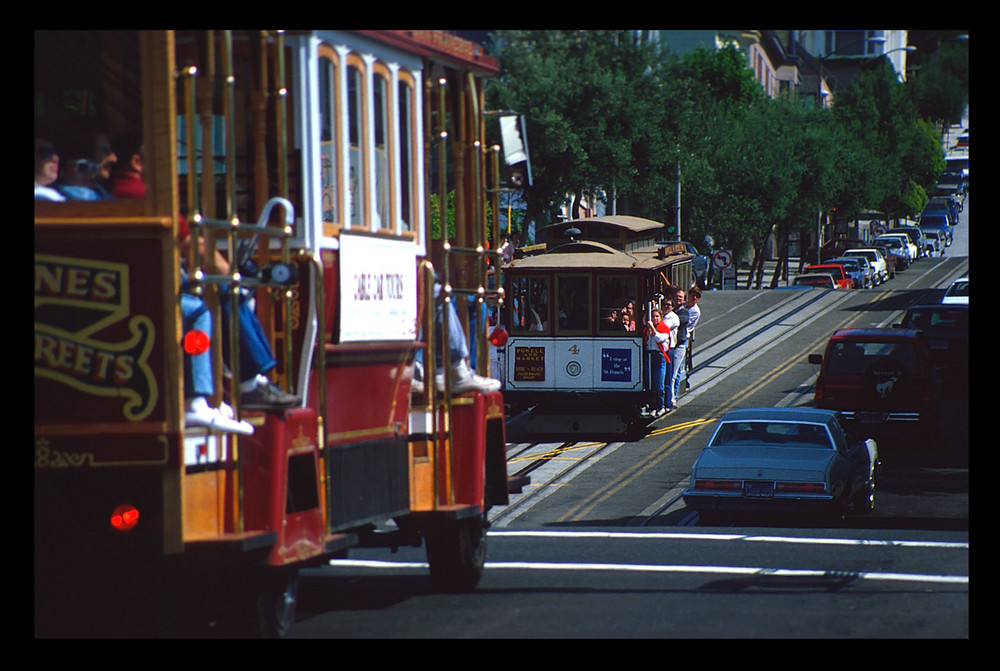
(656, 568)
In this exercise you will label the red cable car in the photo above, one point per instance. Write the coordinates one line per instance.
(303, 160)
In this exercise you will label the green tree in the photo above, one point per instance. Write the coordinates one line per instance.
(939, 79)
(905, 156)
(593, 104)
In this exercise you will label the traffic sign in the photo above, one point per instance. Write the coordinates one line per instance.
(722, 259)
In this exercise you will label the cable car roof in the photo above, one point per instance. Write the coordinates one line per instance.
(579, 254)
(632, 224)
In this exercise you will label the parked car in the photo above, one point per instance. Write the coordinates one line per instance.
(699, 265)
(893, 260)
(876, 259)
(880, 376)
(946, 328)
(905, 247)
(783, 460)
(816, 281)
(934, 242)
(839, 273)
(915, 235)
(957, 293)
(836, 247)
(859, 268)
(958, 163)
(943, 205)
(950, 184)
(939, 223)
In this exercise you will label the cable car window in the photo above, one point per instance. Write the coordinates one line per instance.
(88, 117)
(530, 307)
(329, 136)
(407, 135)
(356, 140)
(573, 304)
(616, 299)
(383, 157)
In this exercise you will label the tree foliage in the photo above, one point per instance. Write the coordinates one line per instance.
(609, 115)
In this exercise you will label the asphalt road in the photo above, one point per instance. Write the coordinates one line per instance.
(601, 546)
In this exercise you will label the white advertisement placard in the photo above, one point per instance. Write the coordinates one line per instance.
(378, 289)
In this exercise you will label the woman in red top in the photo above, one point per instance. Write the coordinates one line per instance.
(126, 180)
(657, 338)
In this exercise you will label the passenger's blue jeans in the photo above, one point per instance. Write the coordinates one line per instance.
(256, 355)
(656, 375)
(197, 368)
(678, 367)
(457, 345)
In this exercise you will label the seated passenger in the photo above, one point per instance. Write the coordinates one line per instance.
(46, 170)
(462, 377)
(256, 355)
(126, 177)
(198, 384)
(87, 161)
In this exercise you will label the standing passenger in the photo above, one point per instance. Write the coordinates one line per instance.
(678, 355)
(672, 321)
(694, 314)
(657, 338)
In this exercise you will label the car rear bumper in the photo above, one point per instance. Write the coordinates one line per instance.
(876, 417)
(779, 503)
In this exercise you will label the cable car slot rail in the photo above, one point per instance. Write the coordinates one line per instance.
(552, 464)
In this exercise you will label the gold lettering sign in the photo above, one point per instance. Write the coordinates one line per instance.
(74, 299)
(529, 364)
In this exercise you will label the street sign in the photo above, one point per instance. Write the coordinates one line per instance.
(722, 259)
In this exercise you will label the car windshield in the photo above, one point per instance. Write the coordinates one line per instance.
(854, 358)
(936, 318)
(772, 434)
(958, 288)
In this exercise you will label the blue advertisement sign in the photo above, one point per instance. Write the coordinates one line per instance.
(616, 365)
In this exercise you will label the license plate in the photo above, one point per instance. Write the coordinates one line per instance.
(872, 417)
(758, 490)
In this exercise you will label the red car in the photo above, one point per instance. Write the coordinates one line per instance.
(877, 375)
(839, 273)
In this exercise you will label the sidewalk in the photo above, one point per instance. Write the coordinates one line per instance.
(743, 273)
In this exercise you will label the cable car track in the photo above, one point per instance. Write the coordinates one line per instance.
(551, 465)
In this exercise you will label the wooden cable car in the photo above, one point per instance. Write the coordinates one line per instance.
(569, 357)
(308, 158)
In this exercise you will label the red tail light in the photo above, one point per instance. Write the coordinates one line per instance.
(196, 342)
(125, 517)
(799, 488)
(719, 485)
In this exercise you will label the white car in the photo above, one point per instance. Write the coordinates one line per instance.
(958, 292)
(933, 243)
(907, 245)
(876, 260)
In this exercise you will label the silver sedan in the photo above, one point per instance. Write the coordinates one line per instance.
(783, 460)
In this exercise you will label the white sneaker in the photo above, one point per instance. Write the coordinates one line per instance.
(200, 413)
(464, 379)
